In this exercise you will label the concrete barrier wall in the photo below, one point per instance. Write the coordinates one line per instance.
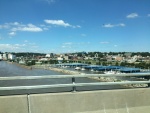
(103, 101)
(14, 104)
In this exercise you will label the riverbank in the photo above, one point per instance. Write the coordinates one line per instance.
(19, 65)
(56, 69)
(112, 79)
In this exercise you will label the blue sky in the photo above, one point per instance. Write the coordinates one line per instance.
(61, 26)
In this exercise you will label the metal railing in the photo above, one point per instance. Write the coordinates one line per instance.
(74, 84)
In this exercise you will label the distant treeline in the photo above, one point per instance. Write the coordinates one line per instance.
(92, 54)
(26, 54)
(102, 54)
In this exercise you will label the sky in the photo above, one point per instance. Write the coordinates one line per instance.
(66, 26)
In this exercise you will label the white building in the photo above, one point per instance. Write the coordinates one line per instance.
(44, 59)
(51, 55)
(47, 56)
(1, 57)
(11, 57)
(5, 56)
(133, 59)
(60, 59)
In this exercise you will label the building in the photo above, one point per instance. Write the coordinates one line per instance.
(60, 59)
(47, 56)
(51, 55)
(1, 57)
(11, 57)
(5, 56)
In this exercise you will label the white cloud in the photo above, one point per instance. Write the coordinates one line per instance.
(50, 1)
(78, 26)
(114, 25)
(16, 26)
(60, 23)
(121, 24)
(25, 41)
(84, 35)
(28, 27)
(18, 47)
(5, 26)
(45, 28)
(105, 42)
(12, 33)
(9, 25)
(63, 46)
(57, 22)
(68, 43)
(10, 47)
(14, 23)
(108, 25)
(132, 15)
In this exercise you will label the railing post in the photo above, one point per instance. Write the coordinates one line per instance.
(73, 82)
(28, 102)
(148, 78)
(149, 85)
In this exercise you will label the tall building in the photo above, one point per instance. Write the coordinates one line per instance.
(5, 56)
(11, 56)
(1, 57)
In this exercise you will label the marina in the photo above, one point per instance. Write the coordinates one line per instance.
(98, 68)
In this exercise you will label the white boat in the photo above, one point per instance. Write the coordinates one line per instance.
(78, 68)
(82, 69)
(64, 66)
(110, 72)
(113, 72)
(92, 69)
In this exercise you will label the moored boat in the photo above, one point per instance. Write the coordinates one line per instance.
(78, 68)
(82, 69)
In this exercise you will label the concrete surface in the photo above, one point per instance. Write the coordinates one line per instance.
(102, 101)
(13, 104)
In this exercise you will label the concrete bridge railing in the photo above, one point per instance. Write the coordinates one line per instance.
(74, 84)
(104, 101)
(135, 100)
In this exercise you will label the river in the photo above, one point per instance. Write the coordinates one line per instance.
(9, 69)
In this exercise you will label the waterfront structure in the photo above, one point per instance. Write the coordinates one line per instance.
(1, 57)
(5, 56)
(44, 59)
(47, 55)
(60, 59)
(11, 56)
(51, 55)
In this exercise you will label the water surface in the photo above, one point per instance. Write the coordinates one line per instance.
(9, 69)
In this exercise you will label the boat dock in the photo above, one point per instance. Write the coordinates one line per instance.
(121, 69)
(71, 65)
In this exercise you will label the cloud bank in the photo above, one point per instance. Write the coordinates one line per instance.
(57, 22)
(28, 27)
(114, 25)
(132, 15)
(60, 23)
